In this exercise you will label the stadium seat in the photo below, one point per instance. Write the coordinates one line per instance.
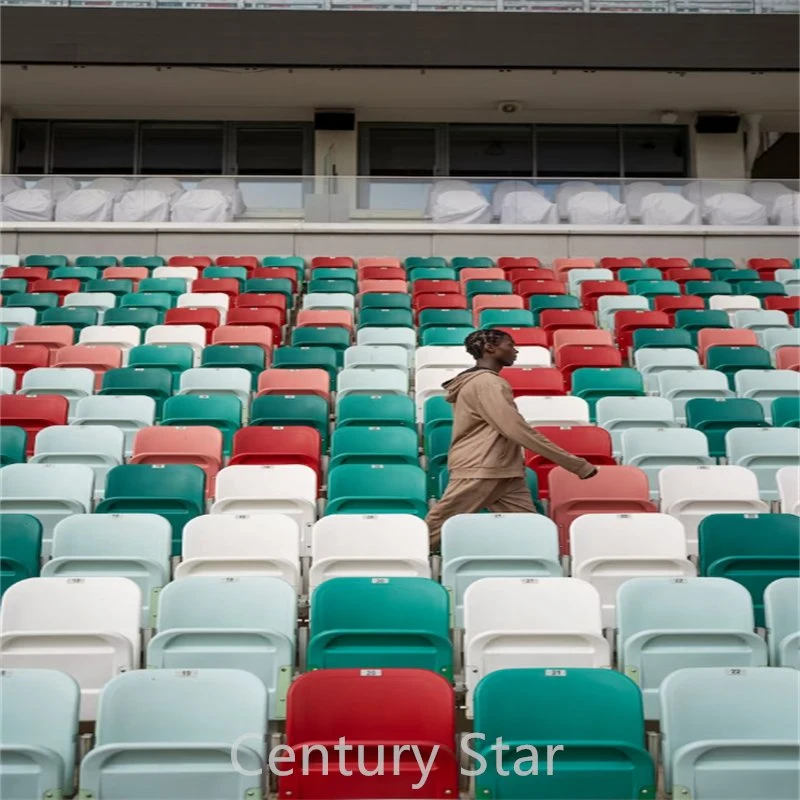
(155, 383)
(619, 414)
(545, 622)
(592, 290)
(133, 546)
(553, 410)
(275, 409)
(377, 409)
(251, 357)
(764, 451)
(788, 358)
(371, 381)
(150, 721)
(760, 320)
(98, 358)
(175, 285)
(39, 720)
(73, 384)
(385, 300)
(590, 337)
(23, 357)
(129, 414)
(75, 317)
(661, 338)
(276, 445)
(672, 623)
(337, 339)
(691, 493)
(534, 382)
(782, 619)
(13, 445)
(723, 337)
(8, 380)
(415, 262)
(373, 445)
(380, 623)
(713, 715)
(608, 306)
(123, 337)
(682, 386)
(376, 357)
(324, 358)
(215, 382)
(652, 361)
(572, 357)
(33, 413)
(331, 295)
(12, 318)
(244, 544)
(671, 304)
(86, 628)
(21, 544)
(715, 417)
(694, 321)
(268, 317)
(627, 321)
(38, 302)
(377, 489)
(729, 360)
(174, 491)
(785, 412)
(325, 318)
(295, 382)
(614, 490)
(476, 546)
(592, 384)
(213, 622)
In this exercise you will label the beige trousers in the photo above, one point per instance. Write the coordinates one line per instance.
(470, 495)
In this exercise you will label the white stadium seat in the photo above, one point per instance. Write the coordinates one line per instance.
(558, 410)
(192, 335)
(788, 480)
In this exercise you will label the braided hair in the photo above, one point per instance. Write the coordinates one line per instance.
(476, 342)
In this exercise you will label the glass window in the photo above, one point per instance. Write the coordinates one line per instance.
(271, 151)
(181, 149)
(655, 152)
(30, 147)
(399, 152)
(93, 148)
(484, 151)
(577, 151)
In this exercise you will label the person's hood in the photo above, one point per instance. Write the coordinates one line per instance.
(455, 385)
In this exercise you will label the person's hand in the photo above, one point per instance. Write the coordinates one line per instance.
(590, 475)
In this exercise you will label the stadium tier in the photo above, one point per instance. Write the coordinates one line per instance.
(215, 475)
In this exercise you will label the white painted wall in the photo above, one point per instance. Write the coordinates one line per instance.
(719, 155)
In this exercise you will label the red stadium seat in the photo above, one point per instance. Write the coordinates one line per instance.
(480, 274)
(251, 300)
(22, 357)
(376, 262)
(382, 274)
(530, 274)
(366, 286)
(483, 301)
(259, 335)
(427, 286)
(614, 490)
(200, 445)
(779, 303)
(534, 381)
(528, 288)
(554, 319)
(250, 263)
(29, 274)
(669, 304)
(264, 317)
(526, 337)
(336, 261)
(327, 706)
(61, 287)
(683, 274)
(765, 266)
(668, 263)
(788, 358)
(99, 358)
(53, 337)
(574, 356)
(325, 318)
(587, 337)
(265, 445)
(626, 322)
(134, 274)
(724, 337)
(591, 291)
(586, 441)
(32, 413)
(201, 262)
(514, 262)
(228, 286)
(295, 381)
(563, 265)
(431, 300)
(208, 318)
(616, 264)
(289, 273)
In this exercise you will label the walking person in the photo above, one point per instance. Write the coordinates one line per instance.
(485, 463)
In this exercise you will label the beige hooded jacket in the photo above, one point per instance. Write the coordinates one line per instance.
(489, 432)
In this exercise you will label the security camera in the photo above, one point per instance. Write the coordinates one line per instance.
(509, 106)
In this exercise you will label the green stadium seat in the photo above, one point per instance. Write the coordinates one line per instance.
(373, 445)
(154, 382)
(141, 318)
(335, 274)
(119, 287)
(786, 412)
(237, 273)
(436, 262)
(377, 489)
(305, 409)
(45, 261)
(332, 337)
(635, 274)
(83, 274)
(9, 286)
(732, 359)
(544, 302)
(174, 491)
(158, 300)
(20, 548)
(151, 262)
(593, 383)
(432, 274)
(692, 320)
(437, 445)
(445, 336)
(296, 262)
(460, 262)
(506, 318)
(331, 285)
(174, 287)
(655, 288)
(306, 357)
(100, 262)
(476, 287)
(244, 356)
(444, 318)
(40, 301)
(173, 357)
(76, 317)
(360, 410)
(661, 338)
(706, 289)
(734, 276)
(385, 300)
(761, 288)
(716, 416)
(13, 445)
(385, 318)
(380, 623)
(713, 263)
(221, 411)
(271, 286)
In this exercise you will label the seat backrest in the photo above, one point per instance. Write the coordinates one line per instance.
(62, 441)
(680, 483)
(72, 380)
(553, 410)
(782, 616)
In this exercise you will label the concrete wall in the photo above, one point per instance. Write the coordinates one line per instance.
(719, 155)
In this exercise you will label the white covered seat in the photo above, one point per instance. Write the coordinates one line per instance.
(240, 545)
(728, 208)
(700, 192)
(531, 622)
(786, 210)
(634, 193)
(609, 549)
(527, 207)
(567, 191)
(767, 193)
(596, 208)
(85, 205)
(114, 185)
(504, 188)
(142, 206)
(668, 208)
(457, 203)
(86, 627)
(369, 545)
(202, 205)
(28, 205)
(59, 186)
(9, 184)
(171, 187)
(556, 410)
(229, 188)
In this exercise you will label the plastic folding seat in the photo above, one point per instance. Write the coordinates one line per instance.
(206, 300)
(159, 301)
(782, 619)
(481, 302)
(12, 318)
(82, 274)
(284, 286)
(74, 317)
(174, 491)
(517, 274)
(372, 357)
(277, 445)
(656, 288)
(378, 409)
(296, 262)
(633, 274)
(525, 337)
(33, 413)
(405, 337)
(593, 383)
(175, 358)
(546, 622)
(619, 414)
(340, 273)
(174, 286)
(439, 336)
(614, 490)
(385, 300)
(144, 713)
(493, 318)
(334, 299)
(436, 286)
(716, 416)
(133, 546)
(151, 382)
(429, 384)
(8, 380)
(572, 357)
(682, 275)
(129, 414)
(385, 318)
(759, 288)
(667, 624)
(480, 274)
(151, 262)
(576, 277)
(276, 301)
(61, 288)
(23, 357)
(39, 718)
(206, 318)
(243, 335)
(28, 274)
(765, 386)
(325, 318)
(681, 386)
(292, 410)
(713, 714)
(764, 452)
(735, 276)
(455, 315)
(21, 544)
(608, 306)
(553, 410)
(193, 336)
(140, 318)
(13, 445)
(694, 321)
(789, 305)
(38, 302)
(433, 357)
(271, 318)
(460, 262)
(521, 262)
(98, 358)
(529, 289)
(587, 441)
(236, 273)
(212, 381)
(324, 358)
(294, 382)
(373, 445)
(431, 274)
(591, 291)
(534, 382)
(372, 381)
(785, 411)
(788, 479)
(788, 358)
(651, 362)
(414, 262)
(554, 319)
(542, 302)
(563, 265)
(36, 260)
(201, 262)
(88, 629)
(721, 337)
(99, 301)
(626, 322)
(118, 288)
(249, 263)
(221, 412)
(671, 304)
(377, 489)
(729, 360)
(760, 320)
(9, 286)
(773, 338)
(692, 493)
(384, 286)
(768, 265)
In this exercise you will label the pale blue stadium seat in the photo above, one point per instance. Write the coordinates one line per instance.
(773, 338)
(760, 320)
(74, 383)
(38, 733)
(49, 492)
(782, 613)
(170, 733)
(764, 451)
(652, 449)
(233, 381)
(476, 546)
(8, 380)
(651, 361)
(575, 277)
(404, 337)
(134, 546)
(667, 624)
(371, 381)
(245, 623)
(363, 356)
(12, 318)
(732, 733)
(129, 413)
(322, 300)
(680, 386)
(608, 305)
(618, 414)
(99, 301)
(764, 385)
(788, 277)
